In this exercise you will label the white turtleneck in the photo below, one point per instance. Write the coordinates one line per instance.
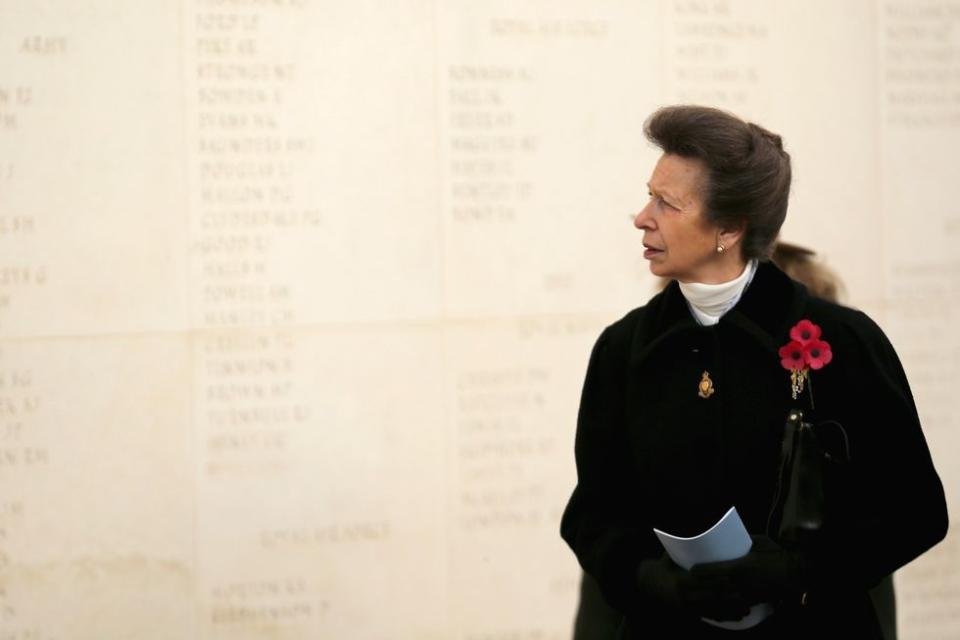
(709, 302)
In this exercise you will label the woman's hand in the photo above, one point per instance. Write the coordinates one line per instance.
(766, 573)
(713, 595)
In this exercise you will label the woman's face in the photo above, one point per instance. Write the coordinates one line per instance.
(678, 241)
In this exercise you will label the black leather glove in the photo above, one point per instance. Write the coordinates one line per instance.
(710, 596)
(766, 573)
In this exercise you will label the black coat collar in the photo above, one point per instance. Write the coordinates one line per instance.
(766, 310)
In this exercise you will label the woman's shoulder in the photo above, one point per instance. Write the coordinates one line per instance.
(841, 316)
(623, 331)
(847, 325)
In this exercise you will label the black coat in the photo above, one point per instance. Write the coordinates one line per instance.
(652, 453)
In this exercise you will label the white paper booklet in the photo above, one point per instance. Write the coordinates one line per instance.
(726, 540)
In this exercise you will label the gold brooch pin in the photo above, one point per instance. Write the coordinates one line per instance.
(706, 386)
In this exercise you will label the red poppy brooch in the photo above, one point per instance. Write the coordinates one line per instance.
(805, 351)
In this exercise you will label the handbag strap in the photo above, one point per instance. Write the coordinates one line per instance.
(839, 453)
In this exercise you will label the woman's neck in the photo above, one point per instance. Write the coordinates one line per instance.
(723, 269)
(709, 301)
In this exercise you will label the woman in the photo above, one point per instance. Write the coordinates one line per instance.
(595, 619)
(685, 400)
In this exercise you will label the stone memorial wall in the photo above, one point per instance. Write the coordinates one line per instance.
(296, 296)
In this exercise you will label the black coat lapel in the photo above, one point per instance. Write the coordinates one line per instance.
(769, 307)
(766, 310)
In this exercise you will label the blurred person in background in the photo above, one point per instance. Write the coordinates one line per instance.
(802, 265)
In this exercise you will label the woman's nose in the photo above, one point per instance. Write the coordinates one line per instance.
(643, 220)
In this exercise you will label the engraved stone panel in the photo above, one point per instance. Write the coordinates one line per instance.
(97, 501)
(91, 190)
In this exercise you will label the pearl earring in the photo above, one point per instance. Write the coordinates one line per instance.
(720, 248)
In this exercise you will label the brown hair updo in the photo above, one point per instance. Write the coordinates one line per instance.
(748, 172)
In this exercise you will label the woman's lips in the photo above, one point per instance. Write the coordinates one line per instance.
(650, 252)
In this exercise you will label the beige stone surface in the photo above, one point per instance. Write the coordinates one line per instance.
(296, 296)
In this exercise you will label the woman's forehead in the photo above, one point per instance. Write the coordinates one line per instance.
(677, 176)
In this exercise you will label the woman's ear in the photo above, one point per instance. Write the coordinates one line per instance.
(731, 236)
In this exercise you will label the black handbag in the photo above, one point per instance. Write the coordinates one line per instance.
(810, 457)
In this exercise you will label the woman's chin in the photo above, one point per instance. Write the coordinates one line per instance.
(660, 270)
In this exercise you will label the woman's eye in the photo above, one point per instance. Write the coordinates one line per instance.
(660, 201)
